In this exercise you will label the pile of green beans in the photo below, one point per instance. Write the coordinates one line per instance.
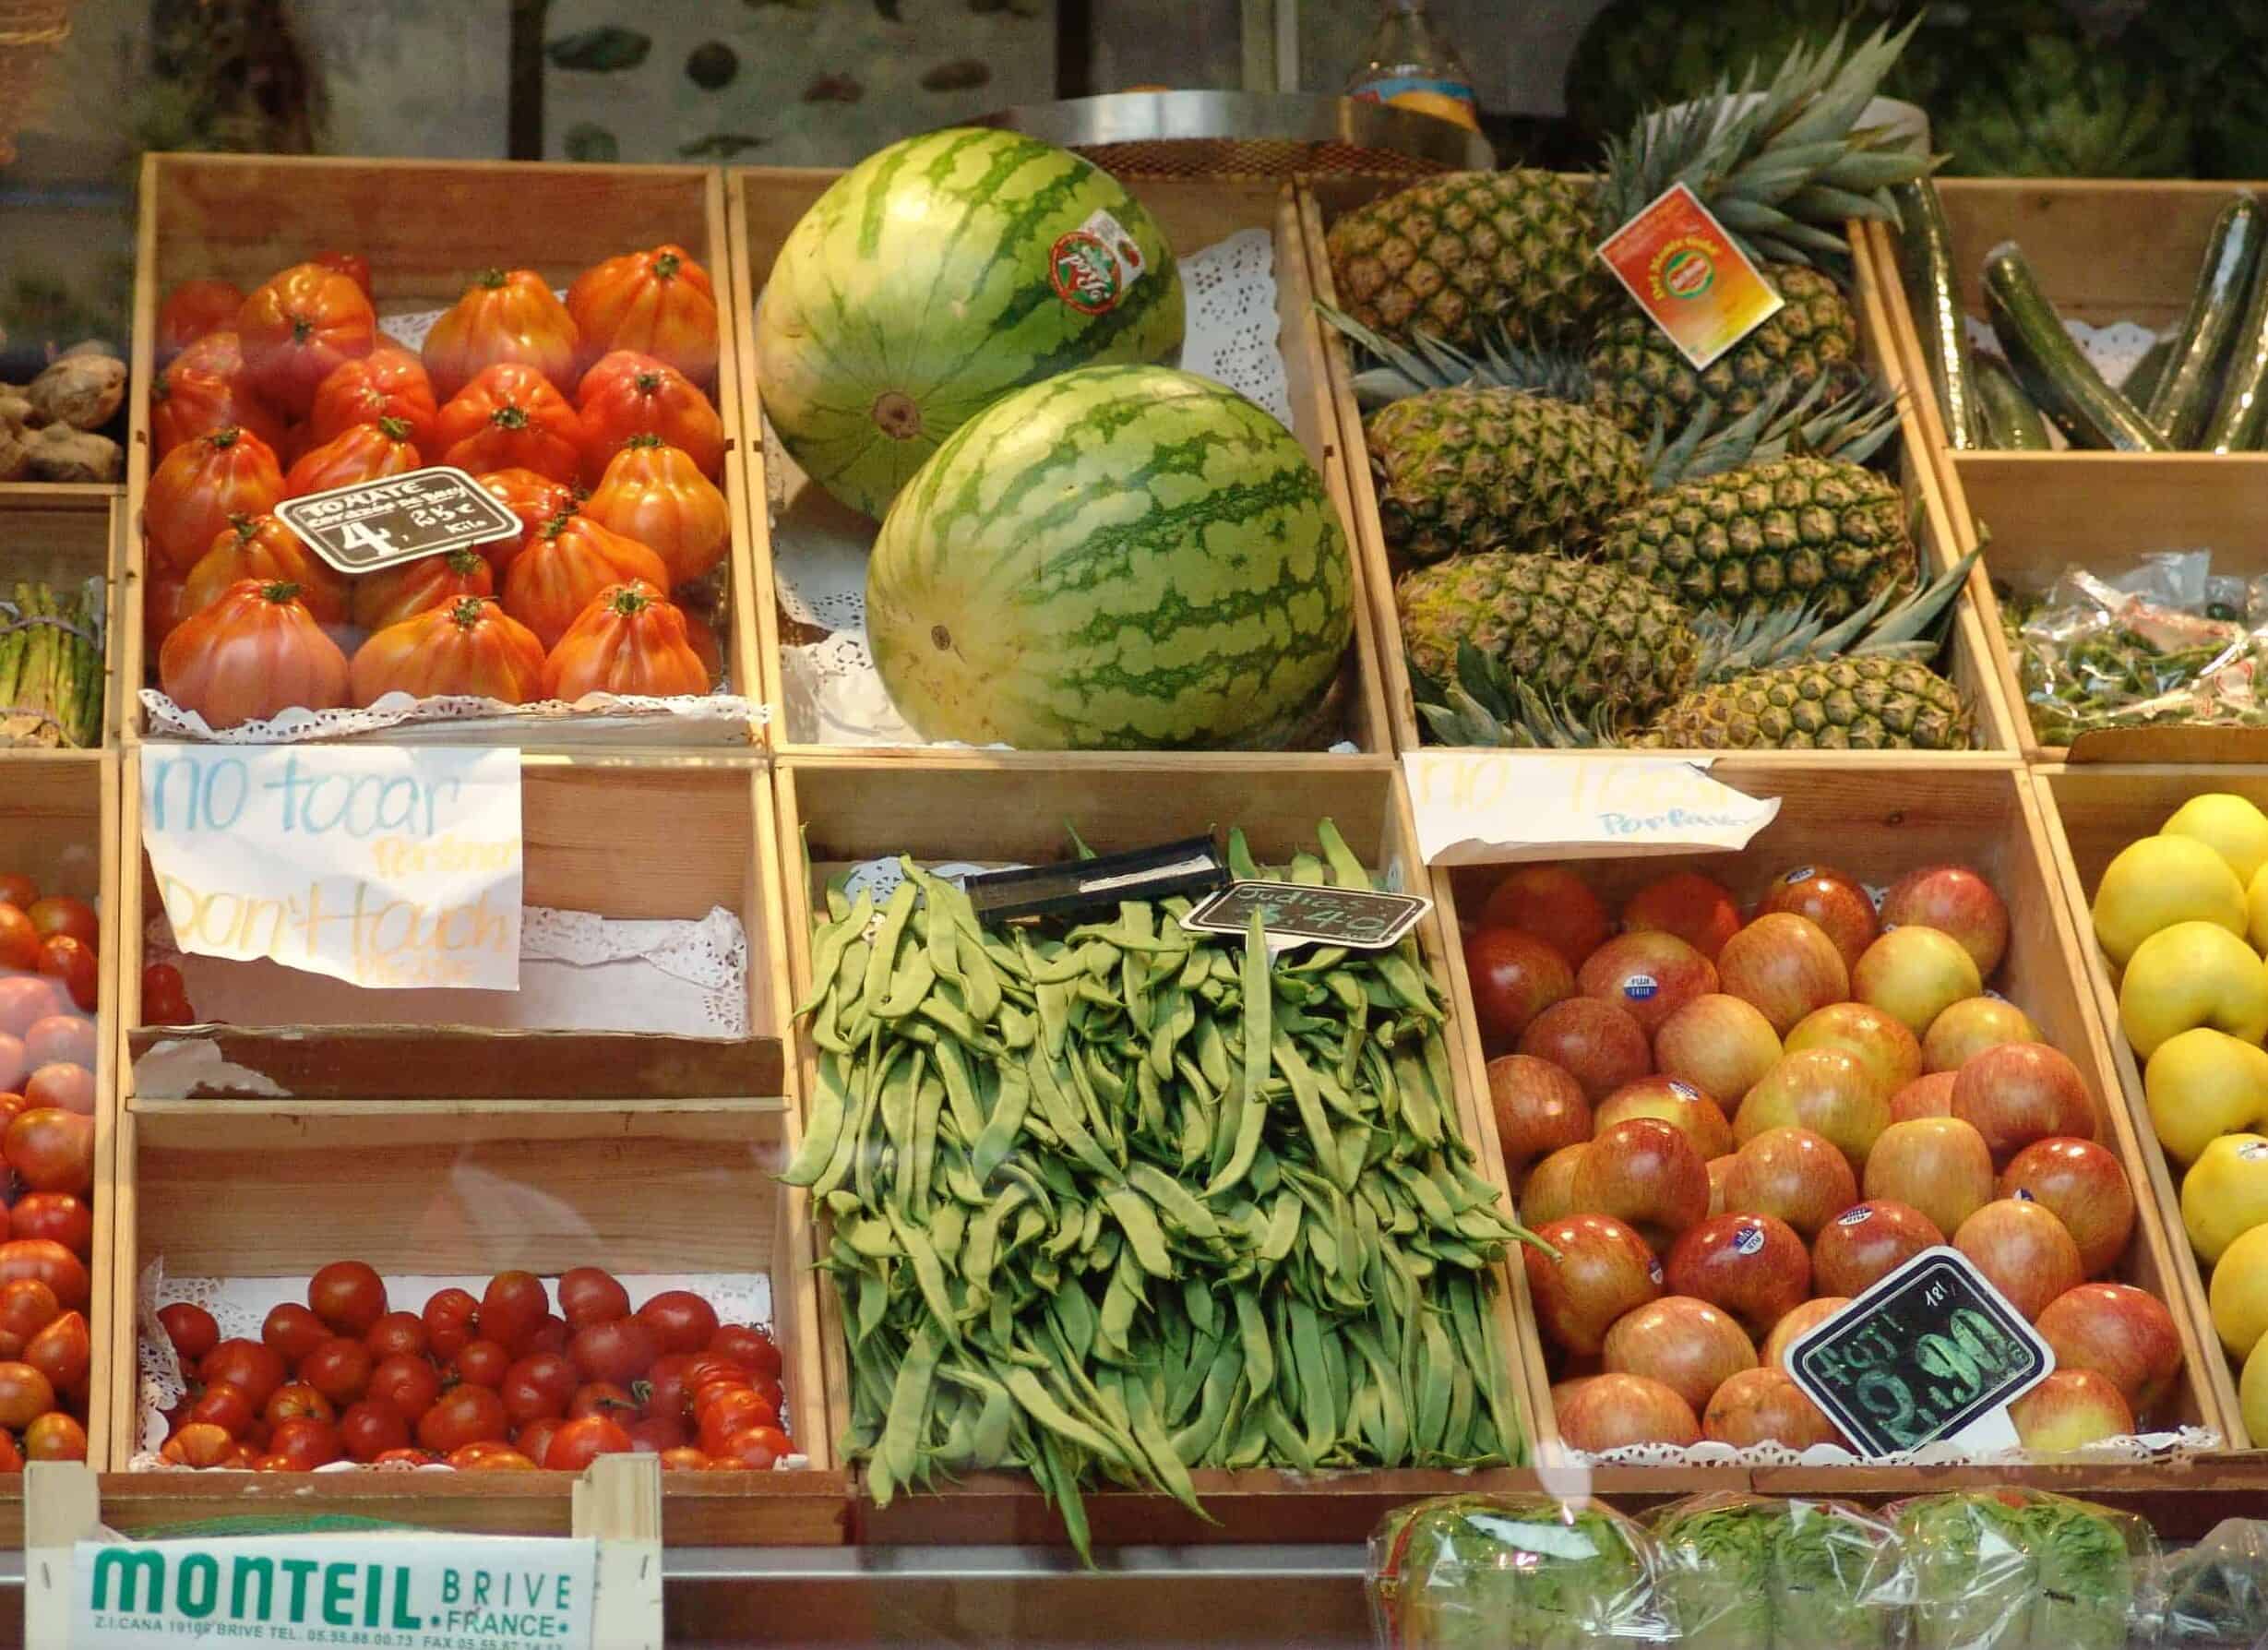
(1113, 1201)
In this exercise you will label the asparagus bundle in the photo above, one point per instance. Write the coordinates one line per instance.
(50, 667)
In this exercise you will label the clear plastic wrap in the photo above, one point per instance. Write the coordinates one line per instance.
(1512, 1573)
(1749, 1573)
(2215, 1594)
(2023, 1570)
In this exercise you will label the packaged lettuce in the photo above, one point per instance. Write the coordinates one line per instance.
(1738, 1572)
(1512, 1573)
(2009, 1570)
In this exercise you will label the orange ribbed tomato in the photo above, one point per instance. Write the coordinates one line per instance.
(469, 646)
(654, 493)
(535, 500)
(362, 452)
(629, 641)
(659, 303)
(194, 309)
(204, 390)
(387, 383)
(509, 417)
(627, 394)
(505, 315)
(296, 328)
(256, 652)
(202, 485)
(566, 565)
(262, 548)
(353, 264)
(391, 595)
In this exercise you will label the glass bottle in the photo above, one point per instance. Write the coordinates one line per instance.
(1410, 64)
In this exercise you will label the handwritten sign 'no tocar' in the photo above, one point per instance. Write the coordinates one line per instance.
(386, 868)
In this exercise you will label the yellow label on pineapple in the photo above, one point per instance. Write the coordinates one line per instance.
(1687, 274)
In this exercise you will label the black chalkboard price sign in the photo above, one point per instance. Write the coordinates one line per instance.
(1302, 912)
(1929, 1350)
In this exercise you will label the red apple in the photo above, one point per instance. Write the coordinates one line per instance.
(1677, 1103)
(1930, 1096)
(1914, 974)
(1823, 1090)
(1698, 911)
(1515, 976)
(1939, 1165)
(1595, 1043)
(1874, 1039)
(1953, 900)
(1652, 974)
(1552, 904)
(1548, 1192)
(1720, 1169)
(1751, 1265)
(1718, 1044)
(1612, 1412)
(1539, 1108)
(1794, 1173)
(2118, 1331)
(1689, 1345)
(1562, 1391)
(1604, 1270)
(1645, 1173)
(2069, 1410)
(1786, 966)
(1971, 1026)
(2082, 1184)
(2020, 1093)
(2023, 1251)
(1764, 1405)
(1837, 902)
(1867, 1242)
(1800, 1324)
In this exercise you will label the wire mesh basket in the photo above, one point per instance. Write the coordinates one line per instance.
(32, 31)
(1238, 135)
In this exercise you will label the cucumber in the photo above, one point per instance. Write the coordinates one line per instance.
(2182, 399)
(2061, 380)
(2143, 377)
(2012, 423)
(2235, 426)
(1925, 270)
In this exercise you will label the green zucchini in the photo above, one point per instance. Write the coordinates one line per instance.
(2236, 423)
(2143, 377)
(2061, 380)
(2183, 399)
(1925, 270)
(2012, 423)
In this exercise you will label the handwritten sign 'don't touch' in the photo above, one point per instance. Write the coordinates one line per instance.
(386, 868)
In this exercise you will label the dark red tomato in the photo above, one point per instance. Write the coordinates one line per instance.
(620, 1351)
(580, 1442)
(398, 1335)
(63, 1352)
(770, 1391)
(550, 1335)
(537, 1386)
(464, 1414)
(190, 1328)
(57, 1437)
(165, 995)
(513, 1304)
(482, 1363)
(18, 890)
(681, 1319)
(51, 1147)
(735, 1413)
(244, 1363)
(652, 1436)
(686, 1460)
(349, 1295)
(602, 1397)
(451, 1320)
(58, 1216)
(370, 1428)
(59, 917)
(73, 963)
(757, 1447)
(715, 1391)
(750, 1348)
(306, 1444)
(534, 1438)
(663, 1395)
(19, 941)
(588, 1296)
(707, 1367)
(339, 1369)
(411, 1456)
(225, 1406)
(296, 1401)
(410, 1384)
(292, 1330)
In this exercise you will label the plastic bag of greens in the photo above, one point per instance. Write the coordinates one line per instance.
(2022, 1570)
(1742, 1572)
(2217, 1592)
(1512, 1573)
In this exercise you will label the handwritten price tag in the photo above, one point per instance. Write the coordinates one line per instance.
(392, 868)
(1489, 807)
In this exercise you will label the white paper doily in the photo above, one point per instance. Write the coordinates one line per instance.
(716, 718)
(2150, 1446)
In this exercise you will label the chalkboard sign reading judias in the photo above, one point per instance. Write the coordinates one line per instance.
(1929, 1351)
(1297, 913)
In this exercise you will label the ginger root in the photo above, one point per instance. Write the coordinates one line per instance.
(59, 453)
(82, 392)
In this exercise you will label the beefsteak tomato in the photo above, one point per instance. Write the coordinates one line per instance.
(630, 640)
(470, 647)
(297, 327)
(656, 494)
(509, 416)
(391, 595)
(566, 566)
(627, 394)
(204, 390)
(192, 310)
(353, 264)
(657, 302)
(362, 452)
(262, 547)
(256, 650)
(505, 316)
(387, 383)
(535, 500)
(203, 485)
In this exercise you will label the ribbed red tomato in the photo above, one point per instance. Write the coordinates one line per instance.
(263, 548)
(656, 494)
(353, 264)
(192, 310)
(629, 641)
(387, 383)
(203, 391)
(657, 302)
(202, 485)
(362, 452)
(535, 500)
(505, 316)
(567, 566)
(298, 325)
(394, 594)
(254, 653)
(509, 416)
(628, 394)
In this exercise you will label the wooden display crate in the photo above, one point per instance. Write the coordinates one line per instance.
(1971, 667)
(1876, 818)
(765, 205)
(2090, 812)
(61, 534)
(427, 226)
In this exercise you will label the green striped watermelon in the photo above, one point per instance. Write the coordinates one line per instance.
(1121, 558)
(934, 277)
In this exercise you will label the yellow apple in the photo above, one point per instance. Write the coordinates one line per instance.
(2229, 825)
(2158, 881)
(2256, 905)
(2192, 974)
(2225, 1194)
(2202, 1083)
(1914, 974)
(2239, 1293)
(1971, 1026)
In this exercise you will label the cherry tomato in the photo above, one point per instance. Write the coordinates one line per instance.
(498, 1461)
(751, 1347)
(684, 1461)
(60, 1039)
(398, 1335)
(619, 1351)
(63, 1352)
(588, 1296)
(200, 1443)
(534, 1438)
(464, 1414)
(482, 1363)
(602, 1397)
(19, 941)
(349, 1295)
(661, 1392)
(550, 1335)
(222, 1406)
(758, 1447)
(653, 1436)
(339, 1369)
(296, 1401)
(50, 1149)
(306, 1443)
(537, 1386)
(26, 1306)
(11, 1458)
(26, 999)
(292, 1330)
(59, 915)
(58, 1216)
(55, 1436)
(18, 890)
(450, 1322)
(580, 1442)
(247, 1364)
(66, 1087)
(73, 963)
(513, 1304)
(369, 1429)
(681, 1319)
(411, 1456)
(165, 995)
(410, 1384)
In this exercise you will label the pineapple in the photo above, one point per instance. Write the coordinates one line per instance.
(1834, 704)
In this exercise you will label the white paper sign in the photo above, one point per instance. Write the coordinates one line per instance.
(1493, 807)
(386, 867)
(412, 1591)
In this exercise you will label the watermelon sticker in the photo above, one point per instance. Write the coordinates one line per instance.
(1094, 266)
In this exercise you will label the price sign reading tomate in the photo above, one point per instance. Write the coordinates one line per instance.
(374, 524)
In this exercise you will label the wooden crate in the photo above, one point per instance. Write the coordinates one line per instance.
(2090, 811)
(61, 533)
(427, 226)
(766, 204)
(1876, 818)
(1971, 669)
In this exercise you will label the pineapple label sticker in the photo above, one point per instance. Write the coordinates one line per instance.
(409, 1591)
(394, 869)
(1687, 274)
(1491, 807)
(369, 525)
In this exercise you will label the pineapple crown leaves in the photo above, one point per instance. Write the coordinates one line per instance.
(1885, 628)
(1486, 707)
(1399, 371)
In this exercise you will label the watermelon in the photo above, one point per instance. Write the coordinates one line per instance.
(934, 277)
(1123, 557)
